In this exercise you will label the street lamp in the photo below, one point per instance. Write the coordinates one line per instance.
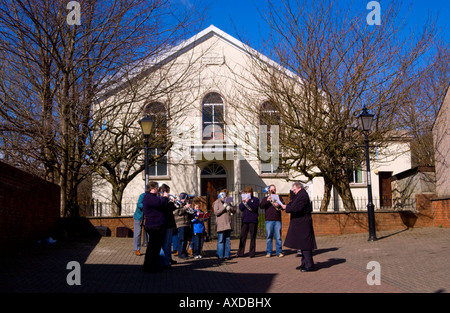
(365, 122)
(146, 126)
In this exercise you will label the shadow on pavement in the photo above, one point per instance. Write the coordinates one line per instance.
(329, 263)
(43, 269)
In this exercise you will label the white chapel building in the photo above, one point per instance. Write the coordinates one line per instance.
(215, 143)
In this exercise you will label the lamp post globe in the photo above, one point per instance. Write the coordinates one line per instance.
(146, 127)
(365, 120)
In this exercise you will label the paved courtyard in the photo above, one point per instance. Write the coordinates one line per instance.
(411, 261)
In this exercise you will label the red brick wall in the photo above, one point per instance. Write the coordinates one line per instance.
(441, 212)
(332, 223)
(29, 207)
(428, 213)
(339, 223)
(113, 222)
(357, 222)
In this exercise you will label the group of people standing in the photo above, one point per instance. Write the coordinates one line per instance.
(300, 235)
(161, 217)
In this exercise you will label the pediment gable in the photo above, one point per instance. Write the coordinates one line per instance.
(214, 56)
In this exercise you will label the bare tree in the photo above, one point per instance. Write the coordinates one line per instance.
(331, 65)
(419, 113)
(116, 143)
(53, 74)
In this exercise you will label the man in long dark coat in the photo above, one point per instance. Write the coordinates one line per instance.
(300, 234)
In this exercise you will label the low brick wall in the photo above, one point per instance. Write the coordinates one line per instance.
(428, 213)
(332, 223)
(339, 223)
(112, 223)
(441, 212)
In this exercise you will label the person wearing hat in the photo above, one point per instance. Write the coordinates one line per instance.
(183, 222)
(165, 256)
(223, 212)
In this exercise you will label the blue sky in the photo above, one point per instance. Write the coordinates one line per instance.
(246, 18)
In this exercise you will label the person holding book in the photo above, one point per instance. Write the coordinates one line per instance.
(198, 228)
(249, 208)
(183, 223)
(273, 209)
(224, 210)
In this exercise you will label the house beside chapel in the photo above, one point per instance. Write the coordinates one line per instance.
(441, 139)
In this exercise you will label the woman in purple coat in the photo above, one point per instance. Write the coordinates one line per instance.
(300, 234)
(154, 209)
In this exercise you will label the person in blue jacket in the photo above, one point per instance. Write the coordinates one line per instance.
(249, 209)
(137, 229)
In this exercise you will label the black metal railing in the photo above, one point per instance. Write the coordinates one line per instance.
(394, 204)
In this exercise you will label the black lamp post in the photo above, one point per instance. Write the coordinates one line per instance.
(146, 126)
(365, 122)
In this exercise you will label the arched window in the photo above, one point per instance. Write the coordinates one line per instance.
(213, 117)
(160, 128)
(268, 114)
(158, 111)
(213, 169)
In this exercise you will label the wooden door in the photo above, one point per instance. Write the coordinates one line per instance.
(385, 189)
(210, 186)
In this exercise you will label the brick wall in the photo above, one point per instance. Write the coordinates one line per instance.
(29, 207)
(339, 223)
(112, 223)
(441, 212)
(332, 223)
(428, 213)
